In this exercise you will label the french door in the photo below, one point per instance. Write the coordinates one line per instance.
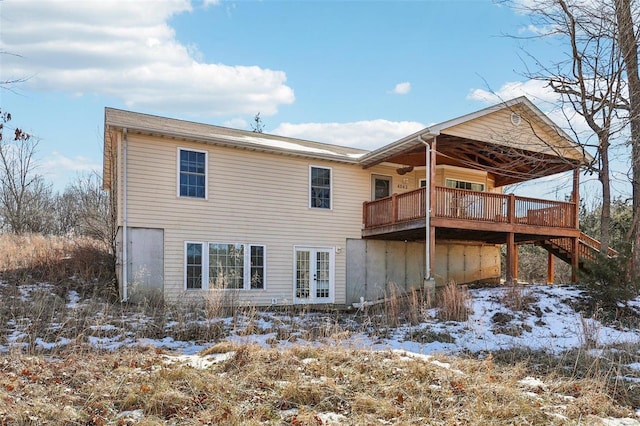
(314, 275)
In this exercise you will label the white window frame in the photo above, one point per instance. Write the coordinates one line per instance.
(420, 185)
(206, 173)
(484, 186)
(246, 265)
(204, 265)
(375, 176)
(311, 206)
(332, 275)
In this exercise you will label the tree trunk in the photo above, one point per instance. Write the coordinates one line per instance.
(603, 176)
(629, 47)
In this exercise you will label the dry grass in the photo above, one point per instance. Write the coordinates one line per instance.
(298, 386)
(33, 257)
(75, 382)
(454, 301)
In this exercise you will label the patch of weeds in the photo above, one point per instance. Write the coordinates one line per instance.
(429, 336)
(502, 318)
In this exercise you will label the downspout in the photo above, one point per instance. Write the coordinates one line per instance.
(125, 241)
(427, 212)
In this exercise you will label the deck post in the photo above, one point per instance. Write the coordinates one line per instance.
(512, 259)
(550, 268)
(511, 210)
(394, 208)
(432, 204)
(575, 196)
(575, 259)
(364, 215)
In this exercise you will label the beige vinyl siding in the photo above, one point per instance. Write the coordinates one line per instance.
(253, 198)
(497, 128)
(399, 183)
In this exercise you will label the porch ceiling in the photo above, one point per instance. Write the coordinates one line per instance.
(508, 165)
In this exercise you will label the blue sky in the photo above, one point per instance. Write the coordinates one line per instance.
(355, 73)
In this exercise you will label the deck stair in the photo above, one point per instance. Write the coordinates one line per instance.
(588, 249)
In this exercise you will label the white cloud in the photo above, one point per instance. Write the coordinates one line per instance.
(535, 90)
(127, 50)
(360, 134)
(57, 167)
(236, 123)
(401, 88)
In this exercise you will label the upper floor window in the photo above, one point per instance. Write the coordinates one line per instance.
(193, 173)
(320, 187)
(460, 184)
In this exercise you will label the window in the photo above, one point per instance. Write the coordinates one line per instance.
(381, 186)
(194, 265)
(460, 184)
(256, 278)
(193, 173)
(320, 188)
(227, 266)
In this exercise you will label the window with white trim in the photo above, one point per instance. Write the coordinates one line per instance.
(319, 187)
(193, 267)
(460, 184)
(192, 173)
(232, 266)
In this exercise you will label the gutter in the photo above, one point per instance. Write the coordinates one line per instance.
(427, 211)
(125, 240)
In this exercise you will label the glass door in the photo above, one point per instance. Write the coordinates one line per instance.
(314, 275)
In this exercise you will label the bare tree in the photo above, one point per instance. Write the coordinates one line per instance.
(257, 126)
(628, 35)
(92, 209)
(589, 80)
(24, 196)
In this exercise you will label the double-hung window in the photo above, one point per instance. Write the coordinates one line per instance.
(193, 260)
(192, 176)
(233, 266)
(320, 187)
(461, 184)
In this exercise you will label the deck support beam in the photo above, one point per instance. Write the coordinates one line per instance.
(575, 259)
(550, 268)
(432, 203)
(512, 259)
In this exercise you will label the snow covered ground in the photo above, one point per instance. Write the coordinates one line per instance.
(548, 323)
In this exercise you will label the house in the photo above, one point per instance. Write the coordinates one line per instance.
(270, 220)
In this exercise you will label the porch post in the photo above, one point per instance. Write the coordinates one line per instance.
(575, 259)
(576, 196)
(511, 271)
(515, 262)
(432, 203)
(429, 232)
(550, 268)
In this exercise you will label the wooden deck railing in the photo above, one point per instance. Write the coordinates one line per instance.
(470, 205)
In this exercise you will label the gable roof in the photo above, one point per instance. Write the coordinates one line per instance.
(520, 106)
(172, 128)
(459, 140)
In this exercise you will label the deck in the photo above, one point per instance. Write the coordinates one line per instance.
(471, 215)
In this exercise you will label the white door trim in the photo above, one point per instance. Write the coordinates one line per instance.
(313, 251)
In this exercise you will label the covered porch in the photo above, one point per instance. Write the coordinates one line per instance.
(512, 142)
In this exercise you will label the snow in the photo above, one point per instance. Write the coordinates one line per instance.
(549, 323)
(288, 146)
